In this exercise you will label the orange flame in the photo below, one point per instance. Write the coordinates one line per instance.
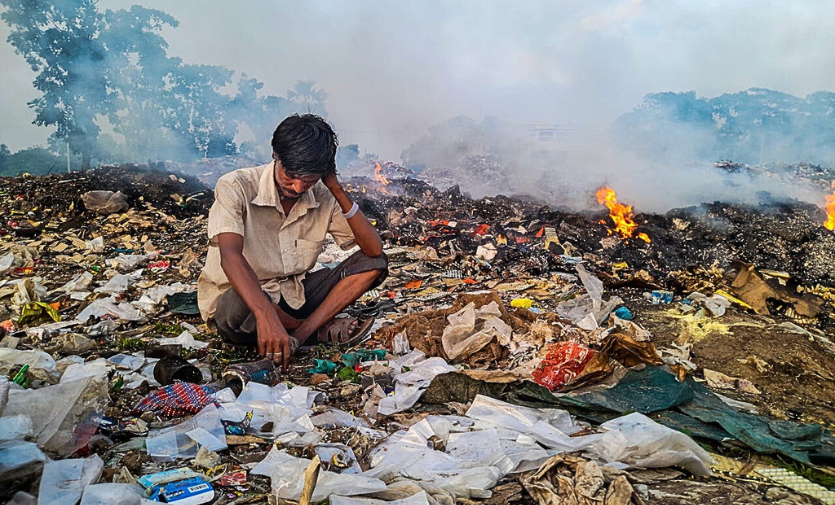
(378, 174)
(620, 214)
(830, 212)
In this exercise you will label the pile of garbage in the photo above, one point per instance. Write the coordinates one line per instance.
(518, 355)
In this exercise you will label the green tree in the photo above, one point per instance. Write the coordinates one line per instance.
(60, 40)
(311, 98)
(111, 68)
(259, 114)
(4, 155)
(34, 160)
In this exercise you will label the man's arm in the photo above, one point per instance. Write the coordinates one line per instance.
(365, 235)
(273, 340)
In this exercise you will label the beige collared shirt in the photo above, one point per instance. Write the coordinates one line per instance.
(280, 249)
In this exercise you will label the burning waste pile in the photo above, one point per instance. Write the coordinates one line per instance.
(518, 354)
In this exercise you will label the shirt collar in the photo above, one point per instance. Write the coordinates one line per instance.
(268, 191)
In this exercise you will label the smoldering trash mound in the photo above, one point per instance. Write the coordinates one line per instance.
(482, 296)
(174, 193)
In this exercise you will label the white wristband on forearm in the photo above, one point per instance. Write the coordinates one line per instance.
(351, 213)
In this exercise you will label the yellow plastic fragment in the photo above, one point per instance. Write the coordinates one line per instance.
(522, 303)
(733, 299)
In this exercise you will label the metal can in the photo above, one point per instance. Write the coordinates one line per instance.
(175, 368)
(262, 372)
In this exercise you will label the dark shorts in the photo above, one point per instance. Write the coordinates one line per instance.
(237, 325)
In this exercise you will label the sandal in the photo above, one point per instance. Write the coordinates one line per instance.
(338, 331)
(377, 308)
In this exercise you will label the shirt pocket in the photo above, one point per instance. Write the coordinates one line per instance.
(306, 253)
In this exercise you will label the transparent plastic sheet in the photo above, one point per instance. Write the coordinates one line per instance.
(129, 261)
(18, 459)
(6, 262)
(335, 418)
(16, 427)
(117, 284)
(105, 202)
(63, 481)
(333, 452)
(154, 296)
(409, 386)
(76, 371)
(114, 494)
(65, 412)
(288, 409)
(408, 455)
(37, 360)
(80, 282)
(285, 470)
(106, 306)
(590, 310)
(524, 453)
(95, 245)
(593, 285)
(470, 329)
(400, 345)
(73, 343)
(639, 441)
(23, 498)
(419, 498)
(173, 443)
(5, 385)
(185, 339)
(519, 418)
(127, 362)
(549, 427)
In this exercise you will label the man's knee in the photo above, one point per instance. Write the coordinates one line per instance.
(365, 263)
(375, 268)
(230, 314)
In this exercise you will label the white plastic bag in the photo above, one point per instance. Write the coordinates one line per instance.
(105, 306)
(113, 494)
(80, 282)
(593, 285)
(60, 410)
(639, 441)
(416, 499)
(284, 472)
(173, 443)
(470, 329)
(105, 202)
(64, 481)
(185, 339)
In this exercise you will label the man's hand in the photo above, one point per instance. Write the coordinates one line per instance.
(331, 182)
(273, 340)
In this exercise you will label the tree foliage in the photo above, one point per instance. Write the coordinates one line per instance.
(34, 160)
(61, 42)
(111, 69)
(753, 126)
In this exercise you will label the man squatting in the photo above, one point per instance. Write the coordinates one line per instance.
(266, 230)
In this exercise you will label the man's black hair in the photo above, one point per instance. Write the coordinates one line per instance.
(305, 145)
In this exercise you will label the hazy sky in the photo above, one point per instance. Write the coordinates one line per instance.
(393, 68)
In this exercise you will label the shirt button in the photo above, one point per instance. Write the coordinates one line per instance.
(284, 250)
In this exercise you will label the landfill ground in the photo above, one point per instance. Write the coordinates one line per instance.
(696, 368)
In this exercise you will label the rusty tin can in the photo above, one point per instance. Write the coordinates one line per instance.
(174, 368)
(262, 372)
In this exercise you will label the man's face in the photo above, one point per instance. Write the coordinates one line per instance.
(291, 187)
